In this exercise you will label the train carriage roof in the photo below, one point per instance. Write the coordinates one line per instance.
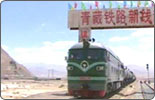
(94, 45)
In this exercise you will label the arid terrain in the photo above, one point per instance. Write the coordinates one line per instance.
(57, 89)
(17, 82)
(12, 69)
(17, 89)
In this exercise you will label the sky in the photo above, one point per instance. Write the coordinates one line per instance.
(37, 32)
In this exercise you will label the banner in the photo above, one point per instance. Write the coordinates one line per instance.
(112, 18)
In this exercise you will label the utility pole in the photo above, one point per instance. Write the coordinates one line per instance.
(48, 76)
(147, 67)
(48, 73)
(52, 73)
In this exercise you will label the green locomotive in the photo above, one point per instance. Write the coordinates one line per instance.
(94, 70)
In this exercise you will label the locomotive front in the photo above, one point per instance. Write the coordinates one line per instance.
(86, 70)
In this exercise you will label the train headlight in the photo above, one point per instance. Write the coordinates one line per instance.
(69, 68)
(84, 64)
(100, 68)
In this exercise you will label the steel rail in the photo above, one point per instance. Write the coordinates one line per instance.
(149, 86)
(145, 94)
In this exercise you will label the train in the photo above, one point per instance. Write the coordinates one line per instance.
(93, 71)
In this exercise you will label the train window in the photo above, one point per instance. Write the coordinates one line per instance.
(92, 54)
(96, 54)
(122, 66)
(76, 54)
(106, 56)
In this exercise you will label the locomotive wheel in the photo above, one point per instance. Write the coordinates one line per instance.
(114, 86)
(122, 84)
(109, 87)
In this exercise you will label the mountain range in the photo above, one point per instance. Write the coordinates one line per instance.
(11, 69)
(140, 71)
(47, 70)
(41, 70)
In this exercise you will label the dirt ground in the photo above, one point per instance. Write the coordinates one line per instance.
(56, 89)
(17, 89)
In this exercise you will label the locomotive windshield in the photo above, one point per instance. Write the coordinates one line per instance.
(76, 54)
(91, 54)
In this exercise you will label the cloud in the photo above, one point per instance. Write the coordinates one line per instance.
(118, 39)
(89, 2)
(146, 41)
(143, 32)
(92, 3)
(135, 56)
(119, 1)
(145, 38)
(140, 52)
(48, 53)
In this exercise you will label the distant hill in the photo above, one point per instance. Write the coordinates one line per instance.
(140, 71)
(41, 70)
(11, 69)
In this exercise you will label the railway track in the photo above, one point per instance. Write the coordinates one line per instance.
(147, 91)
